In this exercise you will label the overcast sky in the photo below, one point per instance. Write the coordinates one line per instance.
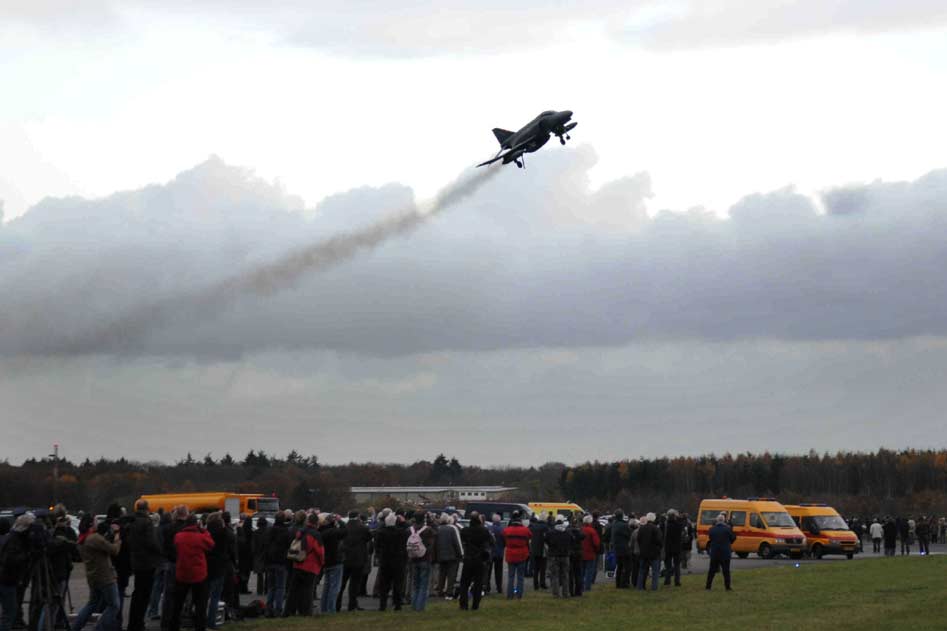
(741, 249)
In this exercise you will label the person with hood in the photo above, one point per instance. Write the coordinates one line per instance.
(390, 543)
(219, 563)
(14, 565)
(449, 552)
(303, 580)
(191, 546)
(537, 549)
(649, 544)
(673, 533)
(277, 541)
(332, 537)
(356, 551)
(591, 543)
(516, 537)
(477, 546)
(558, 540)
(97, 547)
(720, 540)
(877, 532)
(618, 535)
(499, 548)
(145, 557)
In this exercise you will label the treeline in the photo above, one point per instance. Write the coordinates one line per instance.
(883, 482)
(905, 482)
(299, 481)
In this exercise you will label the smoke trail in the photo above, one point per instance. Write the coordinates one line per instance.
(130, 330)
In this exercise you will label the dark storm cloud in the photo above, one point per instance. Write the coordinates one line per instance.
(533, 259)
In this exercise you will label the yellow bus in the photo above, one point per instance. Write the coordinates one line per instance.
(825, 530)
(762, 526)
(568, 509)
(235, 503)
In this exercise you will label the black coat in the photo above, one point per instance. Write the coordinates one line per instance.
(61, 551)
(618, 534)
(143, 546)
(356, 547)
(245, 547)
(277, 544)
(536, 543)
(15, 556)
(478, 542)
(220, 560)
(332, 537)
(559, 542)
(649, 542)
(673, 534)
(390, 547)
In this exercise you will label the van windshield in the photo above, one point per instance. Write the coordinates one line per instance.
(779, 520)
(829, 522)
(267, 504)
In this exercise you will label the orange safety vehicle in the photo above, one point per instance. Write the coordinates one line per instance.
(825, 530)
(762, 525)
(235, 503)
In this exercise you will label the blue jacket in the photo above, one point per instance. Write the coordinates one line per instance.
(499, 543)
(720, 537)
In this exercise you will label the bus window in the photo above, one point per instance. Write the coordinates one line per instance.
(738, 518)
(755, 521)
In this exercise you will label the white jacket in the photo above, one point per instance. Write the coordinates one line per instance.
(876, 531)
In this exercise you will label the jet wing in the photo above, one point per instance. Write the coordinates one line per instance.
(515, 151)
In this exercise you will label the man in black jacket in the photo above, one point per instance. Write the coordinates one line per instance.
(145, 556)
(618, 535)
(275, 548)
(478, 545)
(390, 542)
(673, 532)
(537, 552)
(356, 550)
(558, 540)
(649, 544)
(332, 536)
(179, 515)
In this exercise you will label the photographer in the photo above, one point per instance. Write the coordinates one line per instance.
(97, 552)
(51, 578)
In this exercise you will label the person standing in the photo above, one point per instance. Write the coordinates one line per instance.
(179, 520)
(449, 552)
(390, 543)
(219, 563)
(332, 536)
(687, 542)
(356, 551)
(877, 532)
(618, 535)
(649, 542)
(97, 547)
(590, 548)
(420, 546)
(15, 564)
(720, 540)
(191, 545)
(516, 537)
(558, 540)
(575, 558)
(499, 550)
(477, 547)
(276, 546)
(673, 534)
(537, 550)
(145, 556)
(923, 532)
(890, 537)
(245, 555)
(305, 568)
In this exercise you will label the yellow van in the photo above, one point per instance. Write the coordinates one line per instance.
(825, 530)
(762, 525)
(568, 509)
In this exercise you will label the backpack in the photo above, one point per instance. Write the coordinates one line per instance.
(415, 546)
(296, 553)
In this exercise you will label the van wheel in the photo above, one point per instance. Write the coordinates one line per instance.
(743, 555)
(817, 551)
(765, 551)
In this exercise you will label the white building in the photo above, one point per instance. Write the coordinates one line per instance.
(430, 494)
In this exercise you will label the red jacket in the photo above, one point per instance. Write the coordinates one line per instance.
(192, 544)
(517, 543)
(590, 543)
(315, 554)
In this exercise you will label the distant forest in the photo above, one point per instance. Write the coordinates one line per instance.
(911, 481)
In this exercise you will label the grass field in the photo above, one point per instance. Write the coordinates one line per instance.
(898, 593)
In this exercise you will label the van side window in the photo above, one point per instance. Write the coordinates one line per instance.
(738, 518)
(709, 517)
(755, 521)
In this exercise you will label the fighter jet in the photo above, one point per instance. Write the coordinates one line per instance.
(531, 137)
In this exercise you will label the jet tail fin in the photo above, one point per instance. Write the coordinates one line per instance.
(502, 135)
